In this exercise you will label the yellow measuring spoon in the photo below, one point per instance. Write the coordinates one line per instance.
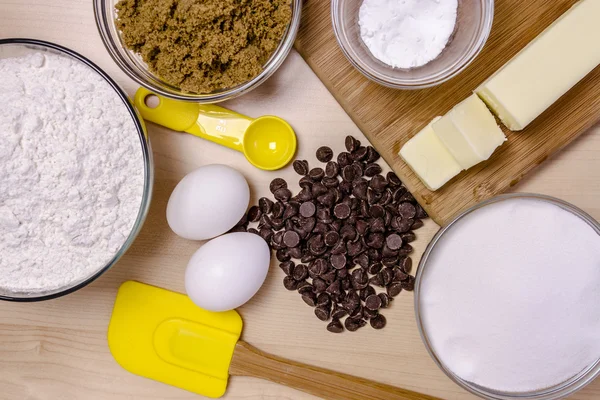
(268, 142)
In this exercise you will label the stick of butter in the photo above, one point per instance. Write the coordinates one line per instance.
(546, 68)
(429, 158)
(470, 132)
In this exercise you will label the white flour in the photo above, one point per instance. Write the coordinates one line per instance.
(71, 172)
(407, 33)
(511, 298)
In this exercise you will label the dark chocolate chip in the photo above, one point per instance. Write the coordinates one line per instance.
(408, 237)
(378, 322)
(301, 167)
(323, 299)
(335, 326)
(378, 183)
(309, 298)
(322, 313)
(373, 302)
(324, 154)
(332, 169)
(360, 153)
(343, 159)
(287, 267)
(338, 261)
(308, 209)
(300, 272)
(372, 155)
(400, 275)
(374, 268)
(331, 238)
(289, 283)
(394, 289)
(409, 284)
(319, 285)
(351, 143)
(254, 214)
(407, 210)
(375, 240)
(393, 179)
(265, 205)
(385, 300)
(283, 194)
(393, 241)
(406, 264)
(316, 174)
(341, 211)
(372, 169)
(366, 292)
(417, 224)
(304, 287)
(277, 184)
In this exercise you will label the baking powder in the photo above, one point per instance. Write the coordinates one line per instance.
(407, 33)
(71, 172)
(510, 297)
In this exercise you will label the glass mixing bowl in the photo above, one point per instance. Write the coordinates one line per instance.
(133, 65)
(20, 47)
(556, 392)
(473, 26)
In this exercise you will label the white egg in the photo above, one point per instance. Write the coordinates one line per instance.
(208, 202)
(227, 271)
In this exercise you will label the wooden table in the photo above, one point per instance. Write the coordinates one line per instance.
(57, 349)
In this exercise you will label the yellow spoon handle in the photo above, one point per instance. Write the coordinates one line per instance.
(214, 123)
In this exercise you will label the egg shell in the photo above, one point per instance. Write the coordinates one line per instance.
(208, 202)
(227, 271)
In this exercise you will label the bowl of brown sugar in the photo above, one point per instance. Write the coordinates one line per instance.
(200, 50)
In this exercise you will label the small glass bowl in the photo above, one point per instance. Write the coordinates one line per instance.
(20, 47)
(133, 65)
(473, 26)
(556, 392)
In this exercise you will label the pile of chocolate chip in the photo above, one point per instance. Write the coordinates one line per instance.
(348, 231)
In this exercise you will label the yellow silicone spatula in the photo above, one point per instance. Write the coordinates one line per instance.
(268, 142)
(163, 336)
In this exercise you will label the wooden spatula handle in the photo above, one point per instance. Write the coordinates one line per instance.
(249, 361)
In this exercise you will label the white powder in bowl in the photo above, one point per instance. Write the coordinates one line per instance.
(71, 173)
(510, 298)
(407, 33)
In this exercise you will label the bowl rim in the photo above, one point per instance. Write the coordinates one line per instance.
(277, 58)
(556, 392)
(347, 50)
(148, 170)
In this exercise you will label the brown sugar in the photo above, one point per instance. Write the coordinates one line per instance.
(202, 46)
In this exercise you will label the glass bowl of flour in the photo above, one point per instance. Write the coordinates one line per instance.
(75, 171)
(411, 44)
(506, 298)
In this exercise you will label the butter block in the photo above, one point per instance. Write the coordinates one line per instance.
(478, 125)
(429, 158)
(470, 132)
(546, 68)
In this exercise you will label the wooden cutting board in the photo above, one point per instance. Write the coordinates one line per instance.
(389, 118)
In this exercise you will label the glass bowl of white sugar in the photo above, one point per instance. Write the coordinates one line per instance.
(76, 171)
(506, 298)
(411, 44)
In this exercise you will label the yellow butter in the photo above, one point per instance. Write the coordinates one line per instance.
(470, 132)
(546, 68)
(429, 158)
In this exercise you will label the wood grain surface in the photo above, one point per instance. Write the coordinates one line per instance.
(389, 118)
(57, 350)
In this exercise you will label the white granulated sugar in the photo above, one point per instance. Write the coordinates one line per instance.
(511, 296)
(407, 33)
(71, 172)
